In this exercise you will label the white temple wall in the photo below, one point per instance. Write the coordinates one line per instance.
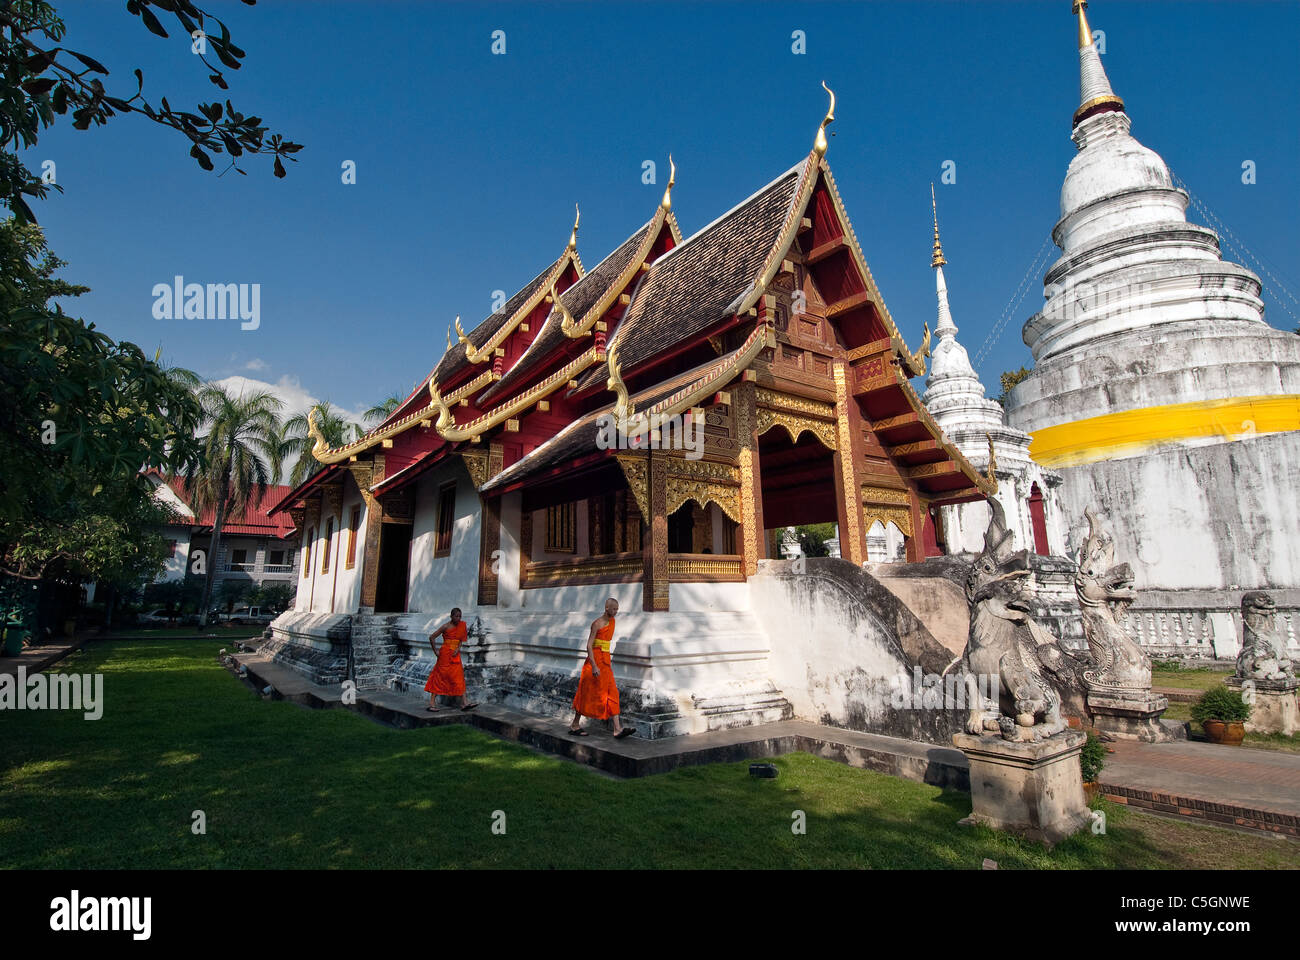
(1222, 517)
(583, 597)
(347, 589)
(436, 584)
(832, 662)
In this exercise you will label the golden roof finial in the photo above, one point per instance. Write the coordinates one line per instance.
(667, 201)
(937, 260)
(449, 343)
(320, 447)
(460, 334)
(573, 237)
(1085, 32)
(819, 146)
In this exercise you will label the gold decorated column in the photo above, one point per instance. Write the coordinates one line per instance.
(366, 476)
(849, 454)
(655, 550)
(751, 481)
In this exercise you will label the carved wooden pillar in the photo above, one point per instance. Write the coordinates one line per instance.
(751, 480)
(849, 455)
(916, 542)
(482, 466)
(367, 475)
(655, 549)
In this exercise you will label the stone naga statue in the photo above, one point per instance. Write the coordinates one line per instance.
(1263, 646)
(1105, 591)
(1031, 668)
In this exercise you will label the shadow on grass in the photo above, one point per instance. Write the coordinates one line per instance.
(282, 786)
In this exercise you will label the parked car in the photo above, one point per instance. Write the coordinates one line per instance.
(159, 616)
(249, 615)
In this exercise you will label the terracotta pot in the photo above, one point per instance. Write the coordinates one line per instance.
(1227, 733)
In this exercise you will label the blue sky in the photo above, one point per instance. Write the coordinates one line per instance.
(468, 163)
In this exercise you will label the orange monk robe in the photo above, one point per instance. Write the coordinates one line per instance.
(597, 697)
(448, 677)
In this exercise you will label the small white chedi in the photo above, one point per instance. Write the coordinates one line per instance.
(955, 398)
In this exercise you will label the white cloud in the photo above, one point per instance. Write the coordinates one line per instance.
(258, 365)
(288, 390)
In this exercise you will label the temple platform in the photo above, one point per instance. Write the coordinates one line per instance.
(1236, 787)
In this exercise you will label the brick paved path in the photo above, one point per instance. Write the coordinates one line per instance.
(1242, 786)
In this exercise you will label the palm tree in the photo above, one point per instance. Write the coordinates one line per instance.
(382, 410)
(295, 445)
(242, 453)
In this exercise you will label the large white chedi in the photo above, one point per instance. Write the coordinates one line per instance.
(1159, 392)
(955, 398)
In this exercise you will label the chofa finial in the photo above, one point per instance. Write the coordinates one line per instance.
(937, 260)
(667, 201)
(573, 237)
(819, 146)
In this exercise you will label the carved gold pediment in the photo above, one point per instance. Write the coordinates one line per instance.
(796, 424)
(901, 517)
(476, 463)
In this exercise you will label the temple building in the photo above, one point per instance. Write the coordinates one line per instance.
(640, 430)
(1159, 393)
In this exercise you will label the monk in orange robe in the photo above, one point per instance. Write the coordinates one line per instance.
(597, 695)
(447, 678)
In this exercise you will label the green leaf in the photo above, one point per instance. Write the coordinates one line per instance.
(151, 22)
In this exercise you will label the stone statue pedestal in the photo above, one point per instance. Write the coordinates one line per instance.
(1275, 708)
(1132, 714)
(1031, 789)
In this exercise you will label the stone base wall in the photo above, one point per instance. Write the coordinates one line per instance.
(314, 644)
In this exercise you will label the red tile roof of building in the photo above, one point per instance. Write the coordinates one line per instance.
(253, 521)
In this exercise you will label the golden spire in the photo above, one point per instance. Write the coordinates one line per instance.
(460, 334)
(819, 146)
(667, 201)
(573, 237)
(937, 260)
(1085, 32)
(449, 344)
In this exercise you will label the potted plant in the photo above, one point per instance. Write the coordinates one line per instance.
(1092, 757)
(1223, 715)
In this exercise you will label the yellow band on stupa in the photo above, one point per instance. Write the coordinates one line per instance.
(1130, 431)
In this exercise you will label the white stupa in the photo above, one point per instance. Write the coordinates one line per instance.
(1159, 392)
(955, 398)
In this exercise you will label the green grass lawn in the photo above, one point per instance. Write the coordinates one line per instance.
(1199, 678)
(282, 786)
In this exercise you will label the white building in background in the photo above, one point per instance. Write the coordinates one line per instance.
(955, 398)
(1159, 393)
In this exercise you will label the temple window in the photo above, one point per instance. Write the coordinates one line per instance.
(353, 524)
(561, 528)
(306, 554)
(446, 517)
(325, 554)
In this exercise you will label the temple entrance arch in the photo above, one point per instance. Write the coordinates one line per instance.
(796, 467)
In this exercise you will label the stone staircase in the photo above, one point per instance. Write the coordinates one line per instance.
(374, 648)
